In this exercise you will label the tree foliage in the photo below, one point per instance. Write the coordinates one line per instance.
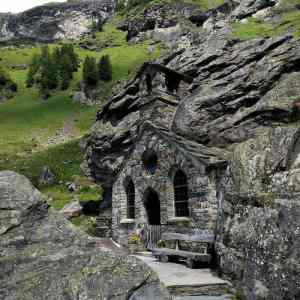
(97, 25)
(105, 68)
(90, 71)
(52, 70)
(7, 86)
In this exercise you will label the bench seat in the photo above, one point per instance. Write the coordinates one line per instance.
(166, 254)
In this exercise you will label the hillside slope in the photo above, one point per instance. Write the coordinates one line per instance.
(36, 133)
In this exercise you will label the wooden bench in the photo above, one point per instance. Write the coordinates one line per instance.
(178, 248)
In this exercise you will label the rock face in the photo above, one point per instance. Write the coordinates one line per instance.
(160, 18)
(239, 97)
(54, 21)
(43, 256)
(258, 242)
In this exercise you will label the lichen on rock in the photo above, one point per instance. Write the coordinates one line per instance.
(43, 256)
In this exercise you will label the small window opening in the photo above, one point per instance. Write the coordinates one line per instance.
(130, 193)
(150, 159)
(181, 194)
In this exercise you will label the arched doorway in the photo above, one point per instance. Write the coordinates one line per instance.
(152, 206)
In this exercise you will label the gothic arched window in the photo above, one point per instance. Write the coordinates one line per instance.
(130, 193)
(181, 194)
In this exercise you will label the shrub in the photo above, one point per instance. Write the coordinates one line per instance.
(134, 239)
(105, 68)
(89, 71)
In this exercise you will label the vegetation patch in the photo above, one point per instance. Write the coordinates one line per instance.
(135, 8)
(86, 223)
(206, 4)
(64, 161)
(7, 87)
(287, 21)
(252, 28)
(36, 133)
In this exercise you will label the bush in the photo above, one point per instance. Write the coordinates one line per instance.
(134, 239)
(52, 70)
(90, 72)
(105, 68)
(7, 86)
(97, 25)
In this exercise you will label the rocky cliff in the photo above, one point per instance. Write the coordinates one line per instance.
(238, 97)
(54, 21)
(43, 256)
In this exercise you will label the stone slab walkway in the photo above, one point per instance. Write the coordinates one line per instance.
(182, 281)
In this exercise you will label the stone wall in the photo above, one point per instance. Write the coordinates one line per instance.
(258, 233)
(202, 200)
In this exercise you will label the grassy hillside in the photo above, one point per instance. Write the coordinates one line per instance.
(287, 20)
(37, 133)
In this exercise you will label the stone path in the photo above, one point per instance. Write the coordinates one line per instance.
(188, 284)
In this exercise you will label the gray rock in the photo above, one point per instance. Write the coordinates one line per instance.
(247, 8)
(242, 100)
(54, 21)
(71, 210)
(47, 177)
(43, 256)
(81, 98)
(71, 186)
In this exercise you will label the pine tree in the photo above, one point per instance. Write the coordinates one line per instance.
(97, 25)
(52, 70)
(90, 72)
(68, 49)
(66, 72)
(33, 70)
(105, 68)
(49, 78)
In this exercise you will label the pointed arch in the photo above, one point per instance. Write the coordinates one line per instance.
(130, 194)
(152, 206)
(180, 183)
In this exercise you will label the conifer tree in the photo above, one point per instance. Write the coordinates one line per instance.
(68, 49)
(65, 71)
(105, 68)
(49, 78)
(90, 72)
(54, 69)
(33, 70)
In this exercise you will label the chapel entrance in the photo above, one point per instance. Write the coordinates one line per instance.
(152, 206)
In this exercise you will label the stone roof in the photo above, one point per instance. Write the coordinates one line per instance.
(198, 153)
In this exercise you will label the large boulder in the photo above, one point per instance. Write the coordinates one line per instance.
(43, 256)
(258, 236)
(72, 209)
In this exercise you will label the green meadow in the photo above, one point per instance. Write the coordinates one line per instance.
(37, 133)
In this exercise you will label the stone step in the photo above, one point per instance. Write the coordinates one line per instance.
(224, 297)
(212, 290)
(182, 281)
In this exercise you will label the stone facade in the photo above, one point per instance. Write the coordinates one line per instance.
(202, 200)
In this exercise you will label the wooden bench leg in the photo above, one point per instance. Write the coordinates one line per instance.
(190, 263)
(164, 258)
